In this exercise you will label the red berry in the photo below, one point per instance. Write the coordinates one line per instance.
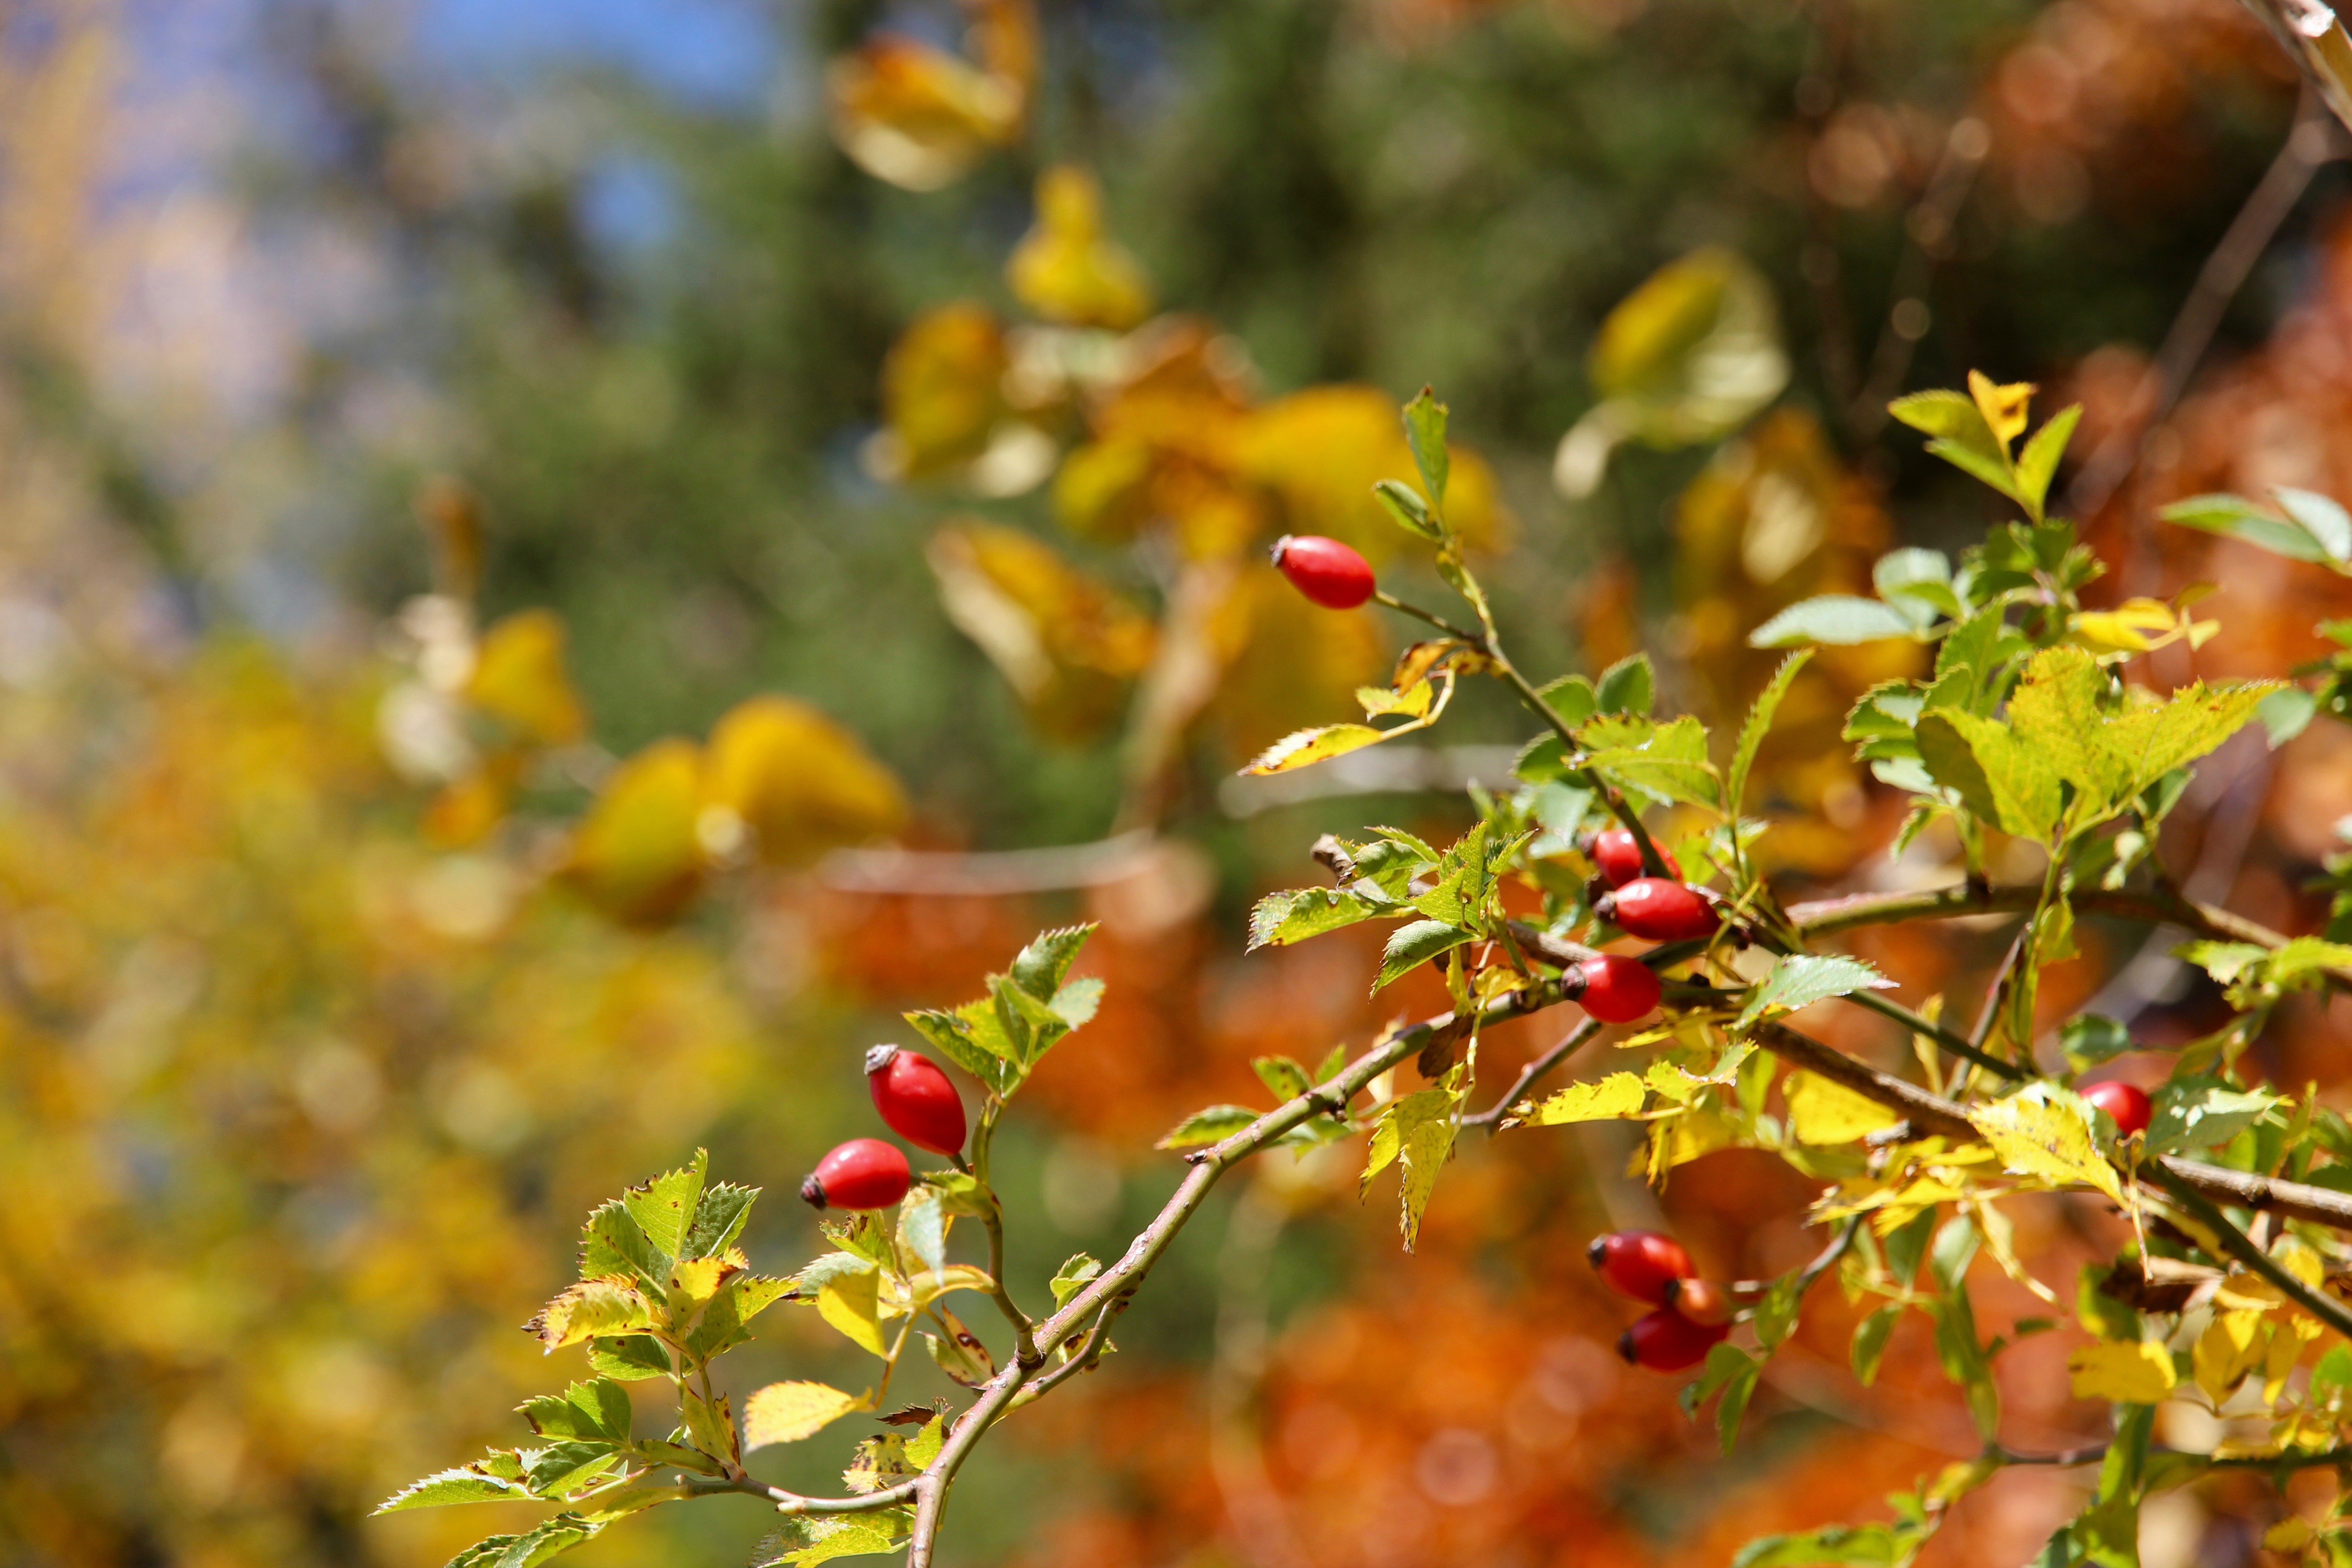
(2124, 1105)
(1328, 571)
(1640, 1263)
(1656, 909)
(1615, 855)
(916, 1099)
(863, 1174)
(1668, 1342)
(1617, 989)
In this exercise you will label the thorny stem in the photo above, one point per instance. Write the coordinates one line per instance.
(1484, 642)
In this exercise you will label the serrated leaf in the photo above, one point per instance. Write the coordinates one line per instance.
(1837, 619)
(718, 1219)
(1670, 764)
(1212, 1125)
(2037, 465)
(1759, 724)
(955, 1038)
(557, 1535)
(1847, 1545)
(726, 1322)
(628, 1357)
(2152, 741)
(463, 1484)
(483, 1553)
(2128, 1372)
(1076, 1272)
(2202, 1113)
(560, 1467)
(851, 1304)
(2055, 710)
(2003, 781)
(1573, 698)
(803, 1542)
(1610, 1099)
(1628, 685)
(1823, 1112)
(2044, 1132)
(1285, 1079)
(1801, 979)
(1414, 943)
(613, 1243)
(788, 1412)
(596, 1409)
(2089, 1039)
(590, 1307)
(664, 1208)
(959, 1352)
(1281, 918)
(1041, 968)
(1412, 513)
(1425, 432)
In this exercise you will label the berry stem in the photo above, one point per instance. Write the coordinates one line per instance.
(1485, 644)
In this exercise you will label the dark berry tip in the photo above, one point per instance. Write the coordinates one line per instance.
(812, 1192)
(1598, 1252)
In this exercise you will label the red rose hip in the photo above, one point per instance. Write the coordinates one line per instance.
(916, 1100)
(1617, 989)
(1615, 855)
(1668, 1342)
(1331, 574)
(863, 1174)
(1640, 1263)
(2124, 1105)
(1656, 909)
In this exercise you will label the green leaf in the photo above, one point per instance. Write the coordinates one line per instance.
(1925, 575)
(1076, 1003)
(2200, 1112)
(1281, 918)
(1950, 415)
(923, 1227)
(2235, 516)
(2088, 1039)
(2004, 781)
(1969, 461)
(1414, 943)
(1214, 1125)
(2055, 710)
(483, 1553)
(1075, 1274)
(984, 1053)
(718, 1219)
(2037, 465)
(1611, 1099)
(598, 1408)
(1839, 619)
(1859, 1545)
(2321, 517)
(1627, 686)
(725, 1321)
(559, 1534)
(1870, 1337)
(613, 1243)
(1425, 432)
(664, 1208)
(2286, 713)
(629, 1357)
(2303, 958)
(465, 1484)
(1410, 511)
(1573, 698)
(590, 1307)
(560, 1467)
(2153, 740)
(1285, 1078)
(1759, 724)
(1041, 967)
(1801, 979)
(1670, 764)
(801, 1543)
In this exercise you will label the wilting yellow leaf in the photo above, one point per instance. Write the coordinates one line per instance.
(788, 1412)
(919, 117)
(799, 780)
(1065, 268)
(2131, 1372)
(519, 679)
(1610, 1099)
(2232, 1345)
(942, 391)
(2045, 1139)
(1822, 1111)
(590, 1308)
(2134, 625)
(2003, 407)
(636, 854)
(1067, 645)
(852, 1303)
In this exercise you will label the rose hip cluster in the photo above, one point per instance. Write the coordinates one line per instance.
(1691, 1315)
(1618, 989)
(919, 1104)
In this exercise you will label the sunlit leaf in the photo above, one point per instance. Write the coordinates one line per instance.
(1067, 268)
(2044, 1132)
(2130, 1372)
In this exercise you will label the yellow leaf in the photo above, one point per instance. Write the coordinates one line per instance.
(1611, 1099)
(919, 117)
(1305, 748)
(2134, 625)
(2289, 1534)
(600, 1306)
(2130, 1372)
(519, 679)
(942, 391)
(788, 1412)
(1379, 702)
(1066, 269)
(1691, 1133)
(2049, 1140)
(851, 1304)
(2230, 1347)
(1822, 1111)
(802, 782)
(1321, 450)
(636, 854)
(2003, 407)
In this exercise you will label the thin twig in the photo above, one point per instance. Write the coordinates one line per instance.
(1569, 1044)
